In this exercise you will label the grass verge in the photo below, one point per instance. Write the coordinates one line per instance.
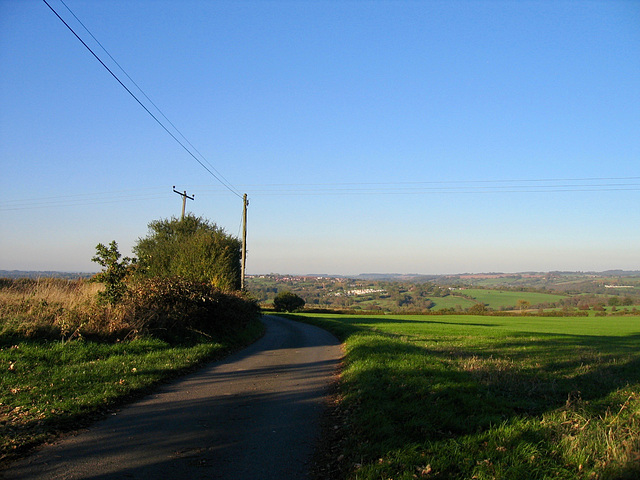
(50, 387)
(477, 397)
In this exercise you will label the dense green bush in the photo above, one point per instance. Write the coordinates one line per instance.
(191, 248)
(170, 307)
(477, 309)
(287, 302)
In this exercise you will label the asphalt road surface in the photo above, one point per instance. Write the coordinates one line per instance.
(254, 415)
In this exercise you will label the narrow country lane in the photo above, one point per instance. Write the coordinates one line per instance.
(253, 415)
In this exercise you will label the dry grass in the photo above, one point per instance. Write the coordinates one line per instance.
(54, 308)
(600, 440)
(71, 293)
(166, 308)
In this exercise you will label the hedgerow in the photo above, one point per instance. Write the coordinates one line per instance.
(174, 306)
(161, 307)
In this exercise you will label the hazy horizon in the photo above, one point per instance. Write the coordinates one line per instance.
(363, 274)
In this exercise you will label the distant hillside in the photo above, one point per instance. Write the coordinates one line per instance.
(44, 274)
(493, 277)
(621, 273)
(396, 277)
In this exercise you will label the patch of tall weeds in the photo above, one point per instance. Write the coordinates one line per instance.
(50, 308)
(602, 438)
(167, 308)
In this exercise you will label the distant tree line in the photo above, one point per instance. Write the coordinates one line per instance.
(416, 297)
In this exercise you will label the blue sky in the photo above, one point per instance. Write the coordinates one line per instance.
(412, 137)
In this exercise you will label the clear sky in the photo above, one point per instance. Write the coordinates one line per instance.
(370, 136)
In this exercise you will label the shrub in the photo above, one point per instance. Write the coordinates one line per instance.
(113, 274)
(287, 302)
(171, 307)
(192, 248)
(477, 309)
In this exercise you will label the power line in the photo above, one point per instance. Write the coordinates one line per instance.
(449, 191)
(549, 185)
(102, 198)
(450, 186)
(147, 97)
(441, 182)
(77, 203)
(218, 177)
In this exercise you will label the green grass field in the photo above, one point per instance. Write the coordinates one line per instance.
(497, 299)
(440, 303)
(479, 397)
(451, 301)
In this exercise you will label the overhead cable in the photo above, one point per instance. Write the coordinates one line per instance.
(218, 177)
(450, 186)
(81, 199)
(522, 186)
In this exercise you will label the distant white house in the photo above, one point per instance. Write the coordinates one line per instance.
(363, 291)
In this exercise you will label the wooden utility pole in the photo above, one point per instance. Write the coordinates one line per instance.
(184, 200)
(245, 202)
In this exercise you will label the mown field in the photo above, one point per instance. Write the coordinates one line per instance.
(480, 397)
(440, 303)
(451, 301)
(498, 299)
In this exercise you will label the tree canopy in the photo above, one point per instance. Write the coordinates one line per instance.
(192, 248)
(288, 302)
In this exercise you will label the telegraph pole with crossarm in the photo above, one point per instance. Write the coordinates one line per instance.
(184, 199)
